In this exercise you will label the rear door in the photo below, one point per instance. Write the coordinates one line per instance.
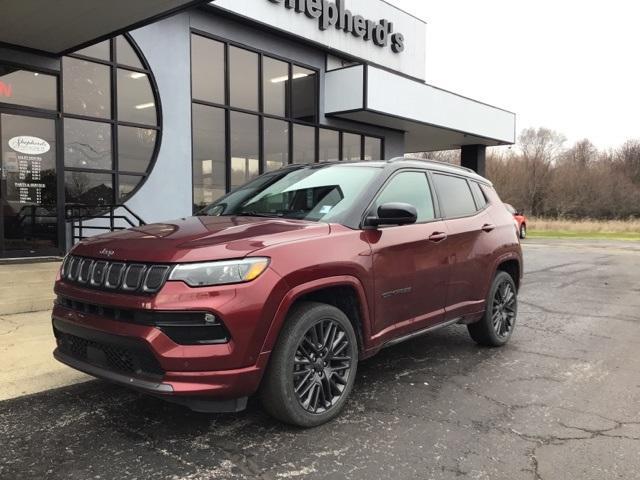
(471, 240)
(410, 261)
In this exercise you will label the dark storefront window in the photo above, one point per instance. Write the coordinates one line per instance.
(109, 143)
(372, 148)
(262, 117)
(28, 89)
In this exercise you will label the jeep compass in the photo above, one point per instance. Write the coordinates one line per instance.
(282, 286)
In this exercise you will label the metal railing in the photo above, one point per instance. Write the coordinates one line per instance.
(78, 215)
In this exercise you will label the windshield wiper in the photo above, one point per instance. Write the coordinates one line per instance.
(259, 214)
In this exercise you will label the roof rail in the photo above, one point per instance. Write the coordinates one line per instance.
(436, 162)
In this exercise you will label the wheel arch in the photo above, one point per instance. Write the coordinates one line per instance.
(512, 266)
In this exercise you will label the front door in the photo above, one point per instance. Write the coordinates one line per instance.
(30, 224)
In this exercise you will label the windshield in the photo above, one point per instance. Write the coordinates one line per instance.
(309, 193)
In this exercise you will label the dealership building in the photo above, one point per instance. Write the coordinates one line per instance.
(126, 113)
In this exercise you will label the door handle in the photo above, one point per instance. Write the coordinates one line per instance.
(488, 227)
(438, 237)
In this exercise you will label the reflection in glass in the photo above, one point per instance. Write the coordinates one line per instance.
(304, 94)
(125, 53)
(351, 147)
(100, 50)
(135, 148)
(88, 188)
(87, 144)
(329, 145)
(245, 164)
(128, 184)
(209, 172)
(274, 83)
(31, 89)
(304, 144)
(207, 69)
(135, 98)
(372, 148)
(86, 88)
(276, 143)
(243, 78)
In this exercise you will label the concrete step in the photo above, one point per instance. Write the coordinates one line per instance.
(27, 287)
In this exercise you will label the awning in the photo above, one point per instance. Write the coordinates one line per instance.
(61, 26)
(432, 118)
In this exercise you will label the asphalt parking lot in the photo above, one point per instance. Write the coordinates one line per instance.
(561, 401)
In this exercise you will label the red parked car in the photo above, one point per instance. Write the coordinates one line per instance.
(521, 220)
(282, 286)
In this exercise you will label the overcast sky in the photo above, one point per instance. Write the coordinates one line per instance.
(570, 65)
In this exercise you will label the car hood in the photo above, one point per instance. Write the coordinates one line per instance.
(198, 239)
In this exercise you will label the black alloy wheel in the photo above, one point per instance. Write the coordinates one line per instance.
(321, 366)
(504, 312)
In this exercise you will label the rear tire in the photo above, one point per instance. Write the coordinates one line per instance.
(497, 324)
(313, 366)
(523, 231)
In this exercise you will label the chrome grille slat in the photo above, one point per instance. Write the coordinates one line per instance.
(115, 275)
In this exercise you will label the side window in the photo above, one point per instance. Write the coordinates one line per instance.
(456, 199)
(481, 200)
(412, 188)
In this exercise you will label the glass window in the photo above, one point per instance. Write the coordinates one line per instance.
(245, 163)
(274, 83)
(125, 54)
(87, 144)
(31, 89)
(412, 188)
(135, 148)
(304, 94)
(209, 171)
(243, 74)
(304, 144)
(86, 88)
(329, 145)
(276, 143)
(88, 188)
(100, 50)
(135, 98)
(207, 69)
(372, 148)
(351, 147)
(455, 196)
(128, 184)
(309, 193)
(481, 200)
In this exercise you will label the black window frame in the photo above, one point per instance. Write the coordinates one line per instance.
(441, 207)
(227, 107)
(113, 121)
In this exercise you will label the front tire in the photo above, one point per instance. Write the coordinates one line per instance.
(497, 324)
(313, 366)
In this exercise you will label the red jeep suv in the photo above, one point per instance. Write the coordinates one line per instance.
(282, 286)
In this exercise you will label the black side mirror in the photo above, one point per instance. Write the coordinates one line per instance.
(393, 214)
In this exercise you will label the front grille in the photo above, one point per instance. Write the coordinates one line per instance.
(109, 352)
(116, 276)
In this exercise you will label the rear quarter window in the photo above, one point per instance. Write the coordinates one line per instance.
(456, 199)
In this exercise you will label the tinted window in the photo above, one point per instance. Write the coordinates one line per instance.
(304, 144)
(276, 143)
(303, 94)
(243, 75)
(329, 145)
(88, 188)
(455, 196)
(207, 69)
(127, 184)
(209, 173)
(351, 146)
(100, 50)
(481, 200)
(32, 89)
(245, 164)
(372, 148)
(274, 82)
(125, 53)
(135, 148)
(135, 98)
(412, 188)
(87, 144)
(87, 88)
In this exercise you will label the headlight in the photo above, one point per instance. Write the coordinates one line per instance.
(220, 273)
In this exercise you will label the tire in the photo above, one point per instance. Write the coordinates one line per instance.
(490, 333)
(523, 231)
(306, 385)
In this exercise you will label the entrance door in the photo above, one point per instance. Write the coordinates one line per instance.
(30, 223)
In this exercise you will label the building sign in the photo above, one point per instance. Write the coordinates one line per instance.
(29, 145)
(336, 15)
